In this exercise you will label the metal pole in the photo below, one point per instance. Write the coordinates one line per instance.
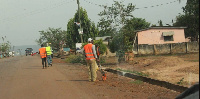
(79, 18)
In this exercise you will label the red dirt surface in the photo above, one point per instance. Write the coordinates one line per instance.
(22, 77)
(115, 86)
(170, 68)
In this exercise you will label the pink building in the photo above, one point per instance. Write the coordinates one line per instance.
(161, 35)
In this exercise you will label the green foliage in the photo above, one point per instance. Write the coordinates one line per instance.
(102, 46)
(76, 59)
(181, 81)
(153, 25)
(116, 43)
(190, 19)
(89, 29)
(114, 17)
(5, 46)
(53, 36)
(80, 59)
(120, 54)
(136, 82)
(118, 21)
(135, 24)
(102, 60)
(160, 23)
(129, 31)
(127, 35)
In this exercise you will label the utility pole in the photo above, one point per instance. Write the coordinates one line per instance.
(79, 19)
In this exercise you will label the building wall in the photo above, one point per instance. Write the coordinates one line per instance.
(193, 47)
(178, 48)
(173, 48)
(154, 36)
(162, 49)
(145, 49)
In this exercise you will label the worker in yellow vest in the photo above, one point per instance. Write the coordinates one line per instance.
(49, 58)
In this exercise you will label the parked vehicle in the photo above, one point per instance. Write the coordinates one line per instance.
(29, 51)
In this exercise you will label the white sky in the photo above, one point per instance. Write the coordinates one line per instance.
(20, 20)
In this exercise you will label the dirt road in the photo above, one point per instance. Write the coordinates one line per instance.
(24, 78)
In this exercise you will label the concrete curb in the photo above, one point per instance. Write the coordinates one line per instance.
(150, 81)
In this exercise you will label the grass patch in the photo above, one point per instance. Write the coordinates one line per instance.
(80, 59)
(134, 72)
(76, 59)
(160, 55)
(181, 81)
(192, 60)
(136, 82)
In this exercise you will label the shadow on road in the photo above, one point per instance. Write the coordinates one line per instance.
(73, 80)
(31, 68)
(80, 80)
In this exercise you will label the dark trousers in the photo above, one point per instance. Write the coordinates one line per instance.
(51, 55)
(44, 61)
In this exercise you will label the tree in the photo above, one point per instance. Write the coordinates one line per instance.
(5, 46)
(127, 34)
(113, 18)
(53, 36)
(190, 19)
(160, 23)
(89, 29)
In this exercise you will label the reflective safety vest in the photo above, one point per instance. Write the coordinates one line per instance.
(88, 52)
(98, 53)
(43, 52)
(48, 50)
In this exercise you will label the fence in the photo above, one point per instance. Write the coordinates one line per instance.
(187, 47)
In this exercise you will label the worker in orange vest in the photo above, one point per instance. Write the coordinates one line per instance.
(43, 55)
(91, 58)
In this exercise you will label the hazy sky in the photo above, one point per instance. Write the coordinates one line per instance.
(20, 20)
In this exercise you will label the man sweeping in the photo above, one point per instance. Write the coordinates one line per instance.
(91, 58)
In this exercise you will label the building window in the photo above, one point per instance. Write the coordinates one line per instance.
(168, 38)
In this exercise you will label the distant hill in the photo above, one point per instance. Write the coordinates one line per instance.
(23, 48)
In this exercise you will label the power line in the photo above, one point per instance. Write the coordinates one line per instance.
(36, 11)
(94, 3)
(135, 8)
(158, 5)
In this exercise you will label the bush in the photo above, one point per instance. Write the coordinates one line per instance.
(76, 59)
(102, 60)
(80, 59)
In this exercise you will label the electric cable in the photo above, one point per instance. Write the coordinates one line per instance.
(36, 11)
(136, 8)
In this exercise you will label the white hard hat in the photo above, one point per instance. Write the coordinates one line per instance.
(89, 39)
